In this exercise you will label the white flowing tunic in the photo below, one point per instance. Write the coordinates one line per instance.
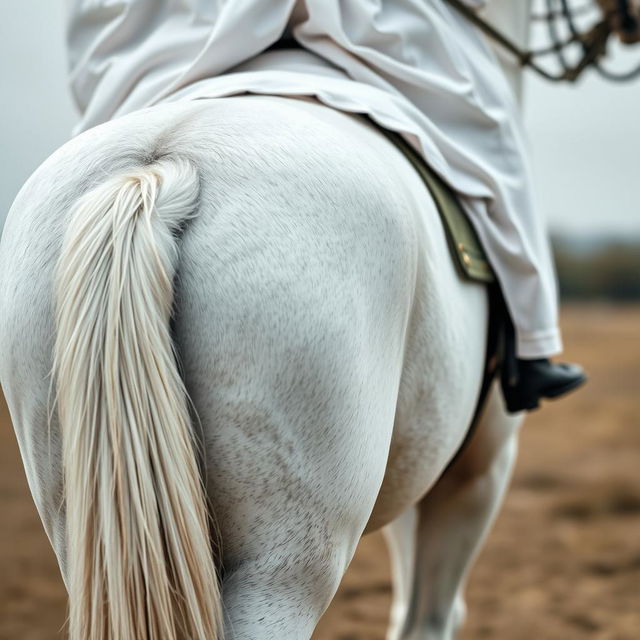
(417, 67)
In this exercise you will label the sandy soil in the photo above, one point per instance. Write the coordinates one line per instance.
(563, 562)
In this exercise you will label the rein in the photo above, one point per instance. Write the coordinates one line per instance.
(593, 42)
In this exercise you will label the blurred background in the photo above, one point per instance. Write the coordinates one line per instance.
(564, 559)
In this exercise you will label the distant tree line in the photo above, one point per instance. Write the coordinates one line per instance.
(604, 269)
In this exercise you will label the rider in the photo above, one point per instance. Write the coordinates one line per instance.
(421, 69)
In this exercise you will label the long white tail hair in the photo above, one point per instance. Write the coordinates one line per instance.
(140, 563)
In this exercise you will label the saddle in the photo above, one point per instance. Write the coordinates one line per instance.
(473, 264)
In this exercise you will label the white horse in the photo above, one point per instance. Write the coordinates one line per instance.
(294, 261)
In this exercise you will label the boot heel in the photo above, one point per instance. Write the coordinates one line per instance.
(516, 401)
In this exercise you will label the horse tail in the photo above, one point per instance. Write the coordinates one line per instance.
(140, 562)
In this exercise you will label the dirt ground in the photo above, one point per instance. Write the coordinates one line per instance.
(562, 563)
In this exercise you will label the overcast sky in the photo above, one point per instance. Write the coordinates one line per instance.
(585, 140)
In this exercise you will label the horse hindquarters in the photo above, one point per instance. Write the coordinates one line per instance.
(293, 291)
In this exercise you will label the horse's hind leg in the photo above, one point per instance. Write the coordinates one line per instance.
(434, 544)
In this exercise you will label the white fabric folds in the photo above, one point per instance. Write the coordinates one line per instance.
(415, 66)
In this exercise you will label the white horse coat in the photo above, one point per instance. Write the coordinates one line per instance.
(331, 352)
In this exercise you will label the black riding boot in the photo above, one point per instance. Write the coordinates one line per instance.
(526, 382)
(531, 380)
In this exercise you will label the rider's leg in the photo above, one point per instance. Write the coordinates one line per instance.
(433, 550)
(519, 253)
